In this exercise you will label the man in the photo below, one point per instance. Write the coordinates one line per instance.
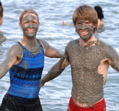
(25, 62)
(89, 59)
(2, 37)
(100, 15)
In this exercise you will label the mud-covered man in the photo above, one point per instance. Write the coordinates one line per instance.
(89, 59)
(25, 63)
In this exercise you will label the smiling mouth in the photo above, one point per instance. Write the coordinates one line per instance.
(83, 32)
(31, 30)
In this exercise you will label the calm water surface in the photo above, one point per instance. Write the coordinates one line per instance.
(56, 93)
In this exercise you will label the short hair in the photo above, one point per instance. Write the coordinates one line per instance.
(85, 12)
(28, 11)
(99, 12)
(1, 9)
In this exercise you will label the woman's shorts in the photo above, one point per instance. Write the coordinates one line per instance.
(10, 103)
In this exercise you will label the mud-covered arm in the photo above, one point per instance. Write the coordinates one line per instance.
(51, 51)
(56, 70)
(13, 56)
(2, 38)
(113, 58)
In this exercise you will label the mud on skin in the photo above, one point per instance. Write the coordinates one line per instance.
(87, 82)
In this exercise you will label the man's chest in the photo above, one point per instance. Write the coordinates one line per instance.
(86, 57)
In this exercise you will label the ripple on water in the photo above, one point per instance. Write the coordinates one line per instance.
(56, 93)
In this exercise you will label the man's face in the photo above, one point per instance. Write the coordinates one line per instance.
(30, 25)
(85, 29)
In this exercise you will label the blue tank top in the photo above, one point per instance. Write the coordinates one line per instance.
(25, 76)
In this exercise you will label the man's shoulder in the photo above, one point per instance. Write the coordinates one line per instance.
(103, 43)
(73, 41)
(106, 47)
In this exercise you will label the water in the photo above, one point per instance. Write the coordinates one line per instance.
(56, 93)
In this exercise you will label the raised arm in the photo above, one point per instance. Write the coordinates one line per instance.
(113, 58)
(51, 51)
(13, 57)
(56, 70)
(2, 38)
